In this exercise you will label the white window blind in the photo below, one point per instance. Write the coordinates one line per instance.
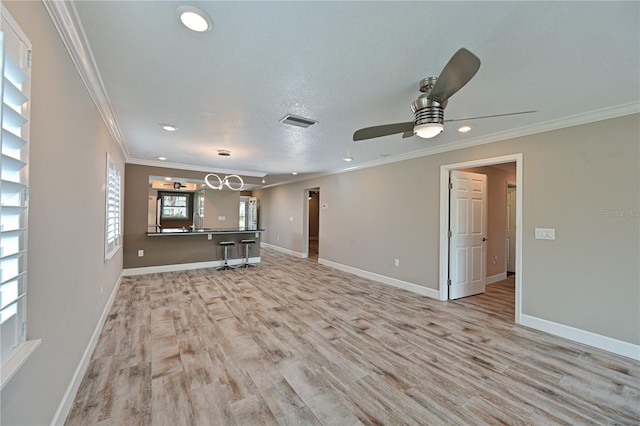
(114, 211)
(15, 58)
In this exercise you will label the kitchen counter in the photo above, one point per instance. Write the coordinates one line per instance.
(200, 231)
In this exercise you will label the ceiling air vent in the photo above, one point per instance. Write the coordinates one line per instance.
(296, 120)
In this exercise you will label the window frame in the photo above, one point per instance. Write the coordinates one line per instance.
(188, 204)
(113, 209)
(15, 67)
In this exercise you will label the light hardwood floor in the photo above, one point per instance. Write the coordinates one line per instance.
(296, 343)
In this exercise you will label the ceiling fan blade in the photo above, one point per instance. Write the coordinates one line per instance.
(489, 116)
(408, 134)
(384, 130)
(462, 66)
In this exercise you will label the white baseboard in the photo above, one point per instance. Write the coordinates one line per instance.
(70, 394)
(496, 278)
(581, 336)
(284, 250)
(424, 291)
(183, 266)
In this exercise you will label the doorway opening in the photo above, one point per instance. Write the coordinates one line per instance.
(446, 258)
(311, 230)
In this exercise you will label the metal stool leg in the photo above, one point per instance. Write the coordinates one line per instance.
(246, 244)
(225, 265)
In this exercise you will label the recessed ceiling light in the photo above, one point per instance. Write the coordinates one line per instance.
(347, 159)
(264, 181)
(168, 178)
(294, 173)
(194, 19)
(162, 158)
(168, 127)
(464, 129)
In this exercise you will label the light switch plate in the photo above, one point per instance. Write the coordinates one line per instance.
(545, 233)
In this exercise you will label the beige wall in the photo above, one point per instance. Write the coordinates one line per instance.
(174, 249)
(221, 209)
(66, 266)
(579, 180)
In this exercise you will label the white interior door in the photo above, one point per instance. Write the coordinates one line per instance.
(511, 228)
(468, 226)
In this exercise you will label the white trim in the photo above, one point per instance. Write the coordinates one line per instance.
(190, 167)
(582, 336)
(70, 394)
(444, 221)
(405, 285)
(17, 360)
(284, 250)
(496, 278)
(184, 266)
(65, 18)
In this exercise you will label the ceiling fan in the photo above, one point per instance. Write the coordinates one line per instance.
(429, 107)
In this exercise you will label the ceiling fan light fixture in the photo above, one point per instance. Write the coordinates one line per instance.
(194, 19)
(428, 130)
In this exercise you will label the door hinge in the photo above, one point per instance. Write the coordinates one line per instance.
(450, 234)
(29, 54)
(449, 283)
(450, 185)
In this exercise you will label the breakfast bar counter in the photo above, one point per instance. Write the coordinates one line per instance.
(201, 231)
(188, 248)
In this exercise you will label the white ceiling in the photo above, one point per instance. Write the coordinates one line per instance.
(350, 65)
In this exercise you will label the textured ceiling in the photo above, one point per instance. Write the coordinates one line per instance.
(349, 65)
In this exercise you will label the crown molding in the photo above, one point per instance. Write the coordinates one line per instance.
(569, 121)
(65, 18)
(179, 166)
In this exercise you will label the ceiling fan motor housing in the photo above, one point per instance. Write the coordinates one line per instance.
(427, 111)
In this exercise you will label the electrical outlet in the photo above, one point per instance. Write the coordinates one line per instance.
(140, 253)
(397, 262)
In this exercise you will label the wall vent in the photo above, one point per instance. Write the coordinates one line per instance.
(296, 120)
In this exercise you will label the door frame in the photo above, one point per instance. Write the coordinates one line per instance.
(444, 222)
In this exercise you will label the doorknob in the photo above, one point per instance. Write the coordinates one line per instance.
(484, 239)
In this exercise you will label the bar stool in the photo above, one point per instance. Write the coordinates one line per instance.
(226, 245)
(246, 244)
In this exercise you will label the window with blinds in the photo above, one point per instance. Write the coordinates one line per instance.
(15, 58)
(113, 197)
